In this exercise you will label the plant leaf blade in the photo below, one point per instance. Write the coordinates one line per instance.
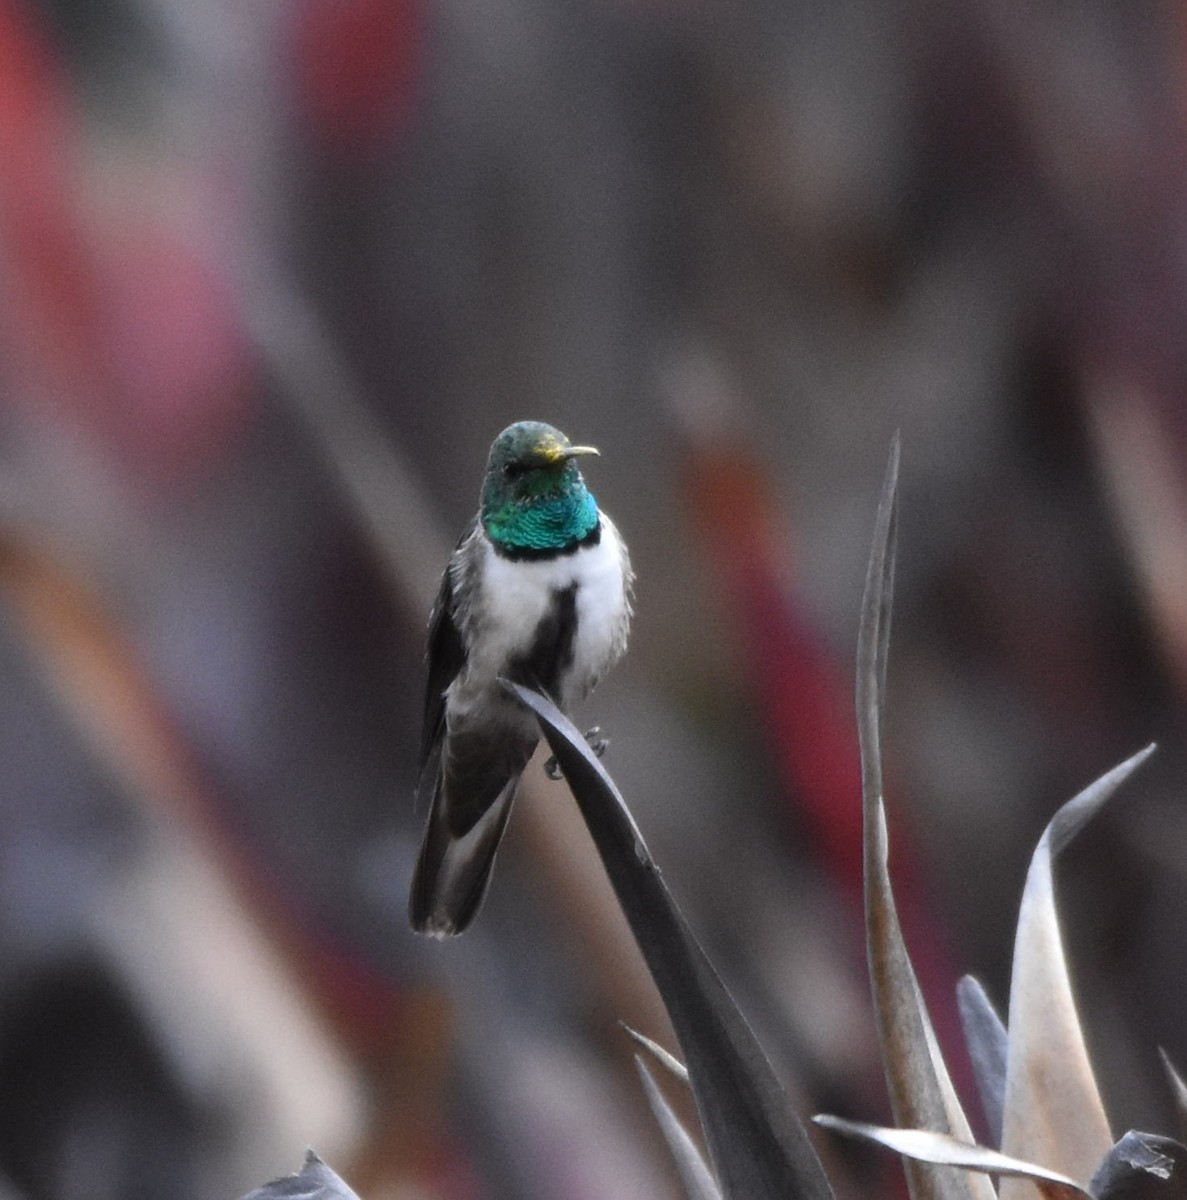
(921, 1091)
(695, 1175)
(758, 1148)
(1053, 1110)
(940, 1149)
(1142, 1166)
(1178, 1090)
(315, 1181)
(669, 1062)
(987, 1042)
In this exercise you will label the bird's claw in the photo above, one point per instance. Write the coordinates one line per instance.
(597, 744)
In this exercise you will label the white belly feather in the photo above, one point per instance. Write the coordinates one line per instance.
(516, 596)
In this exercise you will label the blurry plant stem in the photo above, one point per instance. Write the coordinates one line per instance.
(375, 480)
(1144, 485)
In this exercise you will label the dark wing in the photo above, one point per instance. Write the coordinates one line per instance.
(446, 657)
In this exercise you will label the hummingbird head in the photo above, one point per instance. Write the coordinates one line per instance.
(534, 499)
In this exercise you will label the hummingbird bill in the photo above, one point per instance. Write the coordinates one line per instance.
(538, 591)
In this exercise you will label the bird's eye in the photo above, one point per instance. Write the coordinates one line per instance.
(513, 470)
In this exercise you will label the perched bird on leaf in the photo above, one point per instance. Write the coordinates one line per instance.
(538, 591)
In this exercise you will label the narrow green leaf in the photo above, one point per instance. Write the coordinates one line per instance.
(696, 1177)
(758, 1148)
(921, 1091)
(1053, 1110)
(940, 1149)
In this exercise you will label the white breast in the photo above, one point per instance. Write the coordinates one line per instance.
(603, 609)
(517, 595)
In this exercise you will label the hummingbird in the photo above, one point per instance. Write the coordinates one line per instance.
(538, 591)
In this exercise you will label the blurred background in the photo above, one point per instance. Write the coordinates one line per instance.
(272, 277)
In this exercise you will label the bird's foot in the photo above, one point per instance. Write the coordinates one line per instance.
(597, 744)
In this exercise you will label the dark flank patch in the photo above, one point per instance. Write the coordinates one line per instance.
(533, 554)
(551, 654)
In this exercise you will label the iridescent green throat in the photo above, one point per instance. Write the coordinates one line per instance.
(543, 525)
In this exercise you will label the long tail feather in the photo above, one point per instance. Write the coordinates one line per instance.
(452, 873)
